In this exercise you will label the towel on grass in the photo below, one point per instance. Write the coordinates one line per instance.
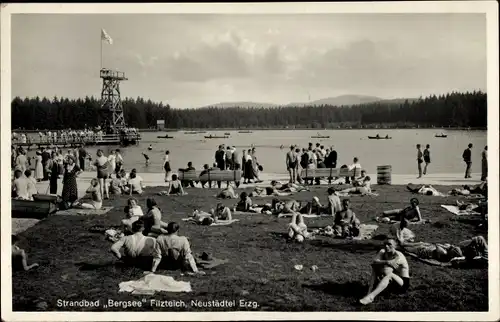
(346, 194)
(456, 211)
(21, 224)
(218, 223)
(84, 212)
(253, 211)
(151, 283)
(165, 193)
(366, 231)
(304, 215)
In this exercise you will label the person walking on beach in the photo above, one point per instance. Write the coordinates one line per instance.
(292, 164)
(467, 156)
(419, 161)
(427, 157)
(484, 164)
(166, 165)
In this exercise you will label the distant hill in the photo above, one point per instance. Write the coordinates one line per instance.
(346, 100)
(241, 104)
(341, 100)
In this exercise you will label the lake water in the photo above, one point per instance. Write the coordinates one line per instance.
(400, 151)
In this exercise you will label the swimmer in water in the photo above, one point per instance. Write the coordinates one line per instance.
(150, 147)
(146, 157)
(282, 146)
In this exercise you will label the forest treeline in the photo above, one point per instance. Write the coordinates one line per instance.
(450, 110)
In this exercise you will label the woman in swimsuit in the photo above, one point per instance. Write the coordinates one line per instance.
(102, 165)
(153, 225)
(96, 196)
(175, 187)
(410, 213)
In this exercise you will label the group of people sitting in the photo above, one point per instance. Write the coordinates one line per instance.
(147, 238)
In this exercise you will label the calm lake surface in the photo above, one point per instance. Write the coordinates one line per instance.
(400, 151)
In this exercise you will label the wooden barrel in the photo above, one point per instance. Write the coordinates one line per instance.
(384, 174)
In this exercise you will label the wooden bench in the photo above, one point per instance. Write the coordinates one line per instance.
(211, 175)
(330, 173)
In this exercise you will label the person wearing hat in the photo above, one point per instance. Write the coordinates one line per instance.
(292, 164)
(411, 213)
(70, 188)
(175, 249)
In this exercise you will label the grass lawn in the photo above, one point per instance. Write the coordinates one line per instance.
(261, 263)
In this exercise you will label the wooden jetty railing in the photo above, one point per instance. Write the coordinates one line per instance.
(106, 139)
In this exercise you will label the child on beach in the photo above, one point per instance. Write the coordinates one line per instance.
(146, 157)
(166, 166)
(96, 197)
(31, 184)
(132, 213)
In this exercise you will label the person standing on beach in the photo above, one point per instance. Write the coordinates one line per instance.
(467, 156)
(119, 161)
(82, 155)
(292, 164)
(236, 159)
(427, 157)
(419, 161)
(484, 164)
(166, 166)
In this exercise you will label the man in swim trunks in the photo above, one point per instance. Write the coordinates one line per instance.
(411, 213)
(346, 224)
(292, 164)
(18, 254)
(389, 268)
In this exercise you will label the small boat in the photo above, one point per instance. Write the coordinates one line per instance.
(227, 133)
(319, 136)
(216, 137)
(245, 131)
(165, 137)
(379, 137)
(192, 132)
(441, 135)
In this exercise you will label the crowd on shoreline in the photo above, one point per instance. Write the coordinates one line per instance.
(66, 136)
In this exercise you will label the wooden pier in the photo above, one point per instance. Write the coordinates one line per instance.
(106, 139)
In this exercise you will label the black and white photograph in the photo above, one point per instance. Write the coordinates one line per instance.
(250, 161)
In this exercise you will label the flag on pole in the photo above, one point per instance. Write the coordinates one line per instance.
(106, 37)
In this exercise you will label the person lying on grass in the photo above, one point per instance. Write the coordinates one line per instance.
(96, 197)
(221, 212)
(175, 186)
(132, 213)
(153, 225)
(227, 193)
(389, 268)
(412, 213)
(19, 255)
(175, 250)
(135, 185)
(475, 250)
(297, 229)
(244, 204)
(363, 189)
(135, 246)
(346, 224)
(466, 190)
(425, 189)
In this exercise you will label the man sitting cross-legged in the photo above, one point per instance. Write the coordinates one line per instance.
(137, 247)
(346, 222)
(389, 268)
(175, 250)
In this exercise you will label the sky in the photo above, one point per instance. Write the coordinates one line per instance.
(193, 60)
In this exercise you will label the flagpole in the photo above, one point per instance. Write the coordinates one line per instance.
(100, 37)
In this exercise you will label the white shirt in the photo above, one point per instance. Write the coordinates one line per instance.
(401, 264)
(136, 184)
